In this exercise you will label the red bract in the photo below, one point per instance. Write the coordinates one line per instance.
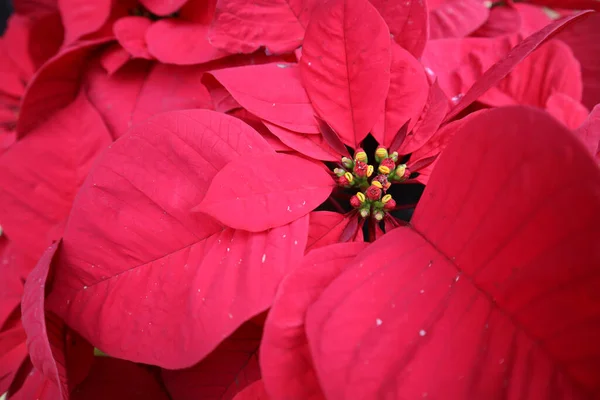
(140, 195)
(454, 18)
(471, 301)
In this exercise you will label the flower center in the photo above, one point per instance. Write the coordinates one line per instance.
(371, 181)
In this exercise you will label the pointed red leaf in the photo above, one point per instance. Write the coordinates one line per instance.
(408, 22)
(474, 301)
(111, 378)
(261, 192)
(326, 227)
(589, 132)
(455, 18)
(36, 386)
(313, 146)
(54, 86)
(331, 138)
(502, 68)
(42, 172)
(255, 391)
(113, 58)
(136, 262)
(272, 92)
(408, 92)
(223, 373)
(82, 17)
(568, 111)
(584, 40)
(285, 357)
(243, 27)
(345, 66)
(130, 32)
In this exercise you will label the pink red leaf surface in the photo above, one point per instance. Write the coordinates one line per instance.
(345, 66)
(455, 18)
(134, 300)
(471, 305)
(261, 192)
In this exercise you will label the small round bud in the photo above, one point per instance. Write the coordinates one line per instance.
(386, 198)
(364, 212)
(377, 184)
(360, 169)
(361, 197)
(349, 177)
(388, 162)
(347, 163)
(355, 202)
(380, 153)
(394, 156)
(370, 170)
(339, 171)
(343, 181)
(401, 173)
(360, 155)
(373, 193)
(378, 215)
(383, 180)
(390, 205)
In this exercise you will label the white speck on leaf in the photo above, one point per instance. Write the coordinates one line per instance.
(457, 278)
(422, 332)
(295, 242)
(421, 291)
(283, 236)
(230, 316)
(378, 322)
(228, 249)
(501, 361)
(264, 258)
(289, 209)
(273, 105)
(309, 63)
(85, 287)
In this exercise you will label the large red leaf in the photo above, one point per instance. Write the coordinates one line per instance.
(36, 386)
(568, 111)
(42, 172)
(82, 17)
(243, 27)
(54, 86)
(589, 132)
(455, 18)
(345, 66)
(502, 20)
(223, 373)
(408, 22)
(313, 146)
(503, 67)
(111, 378)
(136, 263)
(273, 92)
(287, 369)
(255, 391)
(261, 192)
(489, 294)
(584, 40)
(130, 32)
(407, 95)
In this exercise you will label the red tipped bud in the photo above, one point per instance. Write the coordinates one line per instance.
(360, 169)
(373, 193)
(382, 180)
(355, 202)
(347, 163)
(343, 181)
(360, 155)
(389, 205)
(388, 162)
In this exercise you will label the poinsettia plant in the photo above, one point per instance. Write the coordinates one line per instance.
(299, 199)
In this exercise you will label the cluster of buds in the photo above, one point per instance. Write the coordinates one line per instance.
(371, 199)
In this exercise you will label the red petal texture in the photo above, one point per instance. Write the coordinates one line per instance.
(408, 22)
(313, 146)
(345, 66)
(62, 149)
(136, 262)
(130, 32)
(243, 27)
(111, 378)
(54, 86)
(288, 372)
(325, 228)
(34, 6)
(584, 40)
(163, 8)
(455, 18)
(223, 373)
(255, 391)
(502, 20)
(261, 192)
(474, 301)
(589, 132)
(407, 95)
(260, 127)
(82, 17)
(502, 68)
(272, 92)
(113, 58)
(568, 111)
(36, 386)
(533, 18)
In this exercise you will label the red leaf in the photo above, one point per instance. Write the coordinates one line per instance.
(314, 146)
(408, 22)
(133, 249)
(82, 17)
(475, 300)
(326, 227)
(502, 68)
(243, 27)
(113, 58)
(568, 111)
(163, 8)
(455, 18)
(288, 372)
(261, 192)
(589, 132)
(258, 88)
(255, 391)
(231, 367)
(407, 96)
(584, 40)
(131, 34)
(345, 66)
(502, 20)
(54, 86)
(43, 171)
(36, 386)
(331, 138)
(111, 378)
